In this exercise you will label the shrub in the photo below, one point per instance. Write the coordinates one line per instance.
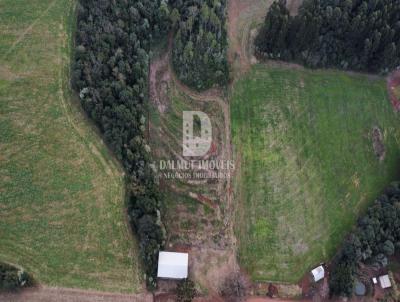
(234, 288)
(185, 291)
(12, 278)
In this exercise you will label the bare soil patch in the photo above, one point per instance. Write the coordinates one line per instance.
(393, 84)
(293, 6)
(242, 17)
(235, 53)
(6, 74)
(377, 142)
(160, 82)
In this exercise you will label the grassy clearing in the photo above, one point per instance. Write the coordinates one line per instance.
(61, 194)
(308, 166)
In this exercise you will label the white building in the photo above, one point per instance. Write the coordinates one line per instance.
(385, 281)
(318, 273)
(173, 265)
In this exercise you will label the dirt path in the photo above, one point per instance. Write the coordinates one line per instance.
(49, 294)
(393, 86)
(273, 300)
(243, 16)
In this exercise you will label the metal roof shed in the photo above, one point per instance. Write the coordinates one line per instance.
(173, 265)
(385, 281)
(318, 273)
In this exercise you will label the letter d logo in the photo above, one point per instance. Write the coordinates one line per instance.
(196, 145)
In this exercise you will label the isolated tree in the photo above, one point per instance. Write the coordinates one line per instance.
(12, 278)
(388, 248)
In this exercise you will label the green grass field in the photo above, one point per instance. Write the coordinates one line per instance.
(61, 193)
(307, 164)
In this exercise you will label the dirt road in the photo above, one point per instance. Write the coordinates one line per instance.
(49, 294)
(273, 300)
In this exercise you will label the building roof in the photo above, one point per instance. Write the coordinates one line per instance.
(385, 281)
(173, 265)
(318, 273)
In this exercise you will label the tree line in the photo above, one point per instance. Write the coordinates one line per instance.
(376, 237)
(110, 74)
(200, 44)
(362, 35)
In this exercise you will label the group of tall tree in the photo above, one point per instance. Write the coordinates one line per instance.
(200, 43)
(110, 73)
(376, 237)
(360, 35)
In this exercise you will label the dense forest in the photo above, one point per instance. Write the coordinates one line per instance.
(361, 35)
(12, 278)
(376, 237)
(110, 73)
(200, 43)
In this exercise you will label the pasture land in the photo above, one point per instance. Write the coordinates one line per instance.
(62, 197)
(307, 163)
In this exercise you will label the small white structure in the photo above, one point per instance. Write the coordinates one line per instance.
(173, 265)
(385, 281)
(318, 273)
(374, 280)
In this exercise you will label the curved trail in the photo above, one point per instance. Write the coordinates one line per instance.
(211, 95)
